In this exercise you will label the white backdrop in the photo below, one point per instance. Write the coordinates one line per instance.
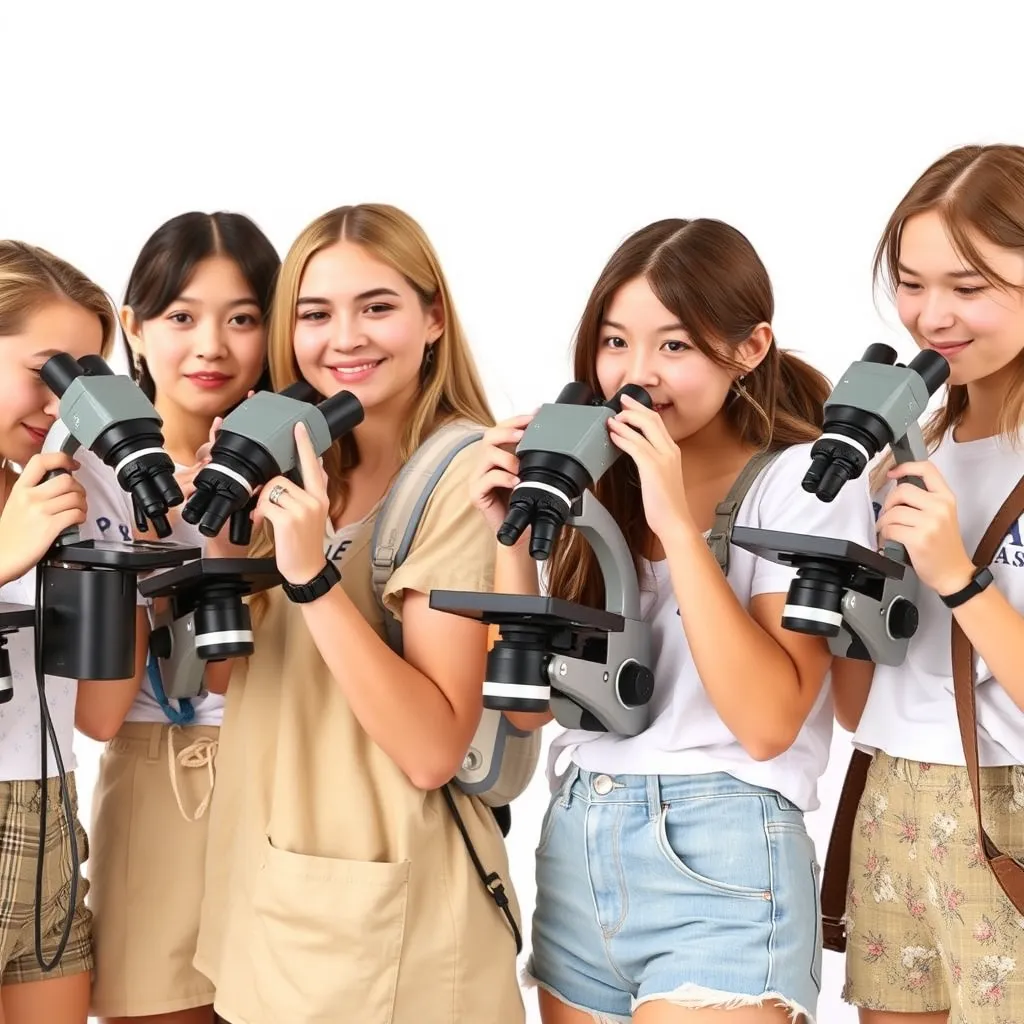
(529, 140)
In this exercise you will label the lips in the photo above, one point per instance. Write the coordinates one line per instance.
(208, 380)
(354, 372)
(38, 433)
(949, 348)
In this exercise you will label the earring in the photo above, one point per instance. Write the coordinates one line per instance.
(428, 362)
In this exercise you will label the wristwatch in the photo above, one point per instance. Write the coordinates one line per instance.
(979, 581)
(303, 593)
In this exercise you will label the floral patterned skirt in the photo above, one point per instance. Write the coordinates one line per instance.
(929, 928)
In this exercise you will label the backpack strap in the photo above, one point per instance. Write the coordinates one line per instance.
(399, 515)
(727, 509)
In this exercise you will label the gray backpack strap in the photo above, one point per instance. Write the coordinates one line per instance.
(399, 515)
(727, 510)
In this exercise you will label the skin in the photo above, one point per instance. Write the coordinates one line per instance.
(33, 515)
(687, 459)
(941, 301)
(355, 311)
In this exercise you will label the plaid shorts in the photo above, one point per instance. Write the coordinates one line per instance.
(929, 928)
(20, 804)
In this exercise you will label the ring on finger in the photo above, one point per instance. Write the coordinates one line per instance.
(274, 497)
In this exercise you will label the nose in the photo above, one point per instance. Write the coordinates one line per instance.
(641, 370)
(936, 311)
(52, 407)
(346, 336)
(209, 341)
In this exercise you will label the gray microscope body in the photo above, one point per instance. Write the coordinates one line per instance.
(590, 666)
(256, 442)
(864, 601)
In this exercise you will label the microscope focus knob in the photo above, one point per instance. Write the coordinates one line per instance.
(635, 684)
(902, 620)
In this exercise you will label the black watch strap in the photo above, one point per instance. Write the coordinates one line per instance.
(979, 581)
(303, 593)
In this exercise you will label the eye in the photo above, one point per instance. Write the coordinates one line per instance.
(313, 315)
(244, 320)
(970, 291)
(614, 342)
(907, 286)
(378, 308)
(676, 346)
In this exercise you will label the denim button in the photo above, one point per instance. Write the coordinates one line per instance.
(603, 785)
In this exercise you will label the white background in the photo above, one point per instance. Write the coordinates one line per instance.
(528, 139)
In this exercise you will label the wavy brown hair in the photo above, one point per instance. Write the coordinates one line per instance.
(978, 191)
(450, 390)
(708, 275)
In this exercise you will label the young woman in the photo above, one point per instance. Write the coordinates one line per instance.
(339, 886)
(931, 935)
(675, 878)
(194, 319)
(46, 306)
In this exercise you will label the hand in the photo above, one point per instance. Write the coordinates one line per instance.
(924, 521)
(299, 516)
(497, 470)
(640, 433)
(37, 512)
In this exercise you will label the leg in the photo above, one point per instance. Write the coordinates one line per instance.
(198, 1015)
(554, 1011)
(659, 1012)
(56, 1001)
(884, 1017)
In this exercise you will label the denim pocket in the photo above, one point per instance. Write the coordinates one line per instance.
(719, 844)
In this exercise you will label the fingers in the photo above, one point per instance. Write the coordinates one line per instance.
(644, 421)
(66, 502)
(39, 465)
(494, 480)
(909, 495)
(312, 471)
(214, 428)
(63, 484)
(498, 458)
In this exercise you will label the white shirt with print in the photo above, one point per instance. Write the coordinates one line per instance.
(911, 711)
(686, 735)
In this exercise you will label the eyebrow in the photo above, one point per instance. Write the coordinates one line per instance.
(958, 275)
(620, 327)
(231, 305)
(312, 300)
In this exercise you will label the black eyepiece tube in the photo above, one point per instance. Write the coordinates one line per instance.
(59, 371)
(932, 368)
(96, 366)
(301, 391)
(343, 412)
(576, 392)
(635, 392)
(879, 352)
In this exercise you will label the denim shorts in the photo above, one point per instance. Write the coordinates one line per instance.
(701, 890)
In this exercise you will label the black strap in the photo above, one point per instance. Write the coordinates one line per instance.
(492, 882)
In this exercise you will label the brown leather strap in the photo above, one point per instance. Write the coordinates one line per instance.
(836, 876)
(1007, 871)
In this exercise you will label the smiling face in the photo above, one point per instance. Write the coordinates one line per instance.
(643, 343)
(207, 348)
(28, 407)
(948, 306)
(361, 327)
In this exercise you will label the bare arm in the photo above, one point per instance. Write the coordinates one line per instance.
(761, 679)
(102, 704)
(851, 683)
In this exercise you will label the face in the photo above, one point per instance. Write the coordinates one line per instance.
(207, 349)
(641, 342)
(361, 327)
(28, 407)
(947, 306)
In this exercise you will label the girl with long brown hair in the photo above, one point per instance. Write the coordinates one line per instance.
(675, 876)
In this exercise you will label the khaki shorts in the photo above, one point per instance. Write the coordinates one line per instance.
(929, 928)
(148, 835)
(20, 805)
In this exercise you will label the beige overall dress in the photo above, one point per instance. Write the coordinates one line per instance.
(337, 892)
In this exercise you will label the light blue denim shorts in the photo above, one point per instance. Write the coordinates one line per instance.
(701, 889)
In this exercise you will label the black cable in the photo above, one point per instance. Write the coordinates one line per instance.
(69, 814)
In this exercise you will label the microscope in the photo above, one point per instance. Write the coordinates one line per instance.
(591, 666)
(257, 442)
(863, 601)
(207, 619)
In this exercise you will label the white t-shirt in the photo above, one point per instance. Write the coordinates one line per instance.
(911, 711)
(686, 735)
(20, 727)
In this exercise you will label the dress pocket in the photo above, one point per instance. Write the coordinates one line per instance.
(329, 937)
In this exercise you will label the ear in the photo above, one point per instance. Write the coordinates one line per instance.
(132, 331)
(755, 348)
(435, 320)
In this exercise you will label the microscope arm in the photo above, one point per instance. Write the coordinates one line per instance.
(602, 533)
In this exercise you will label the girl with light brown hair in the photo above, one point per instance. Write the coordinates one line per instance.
(339, 886)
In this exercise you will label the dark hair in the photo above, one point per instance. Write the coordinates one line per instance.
(709, 276)
(170, 257)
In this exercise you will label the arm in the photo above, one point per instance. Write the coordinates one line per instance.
(851, 683)
(761, 679)
(102, 704)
